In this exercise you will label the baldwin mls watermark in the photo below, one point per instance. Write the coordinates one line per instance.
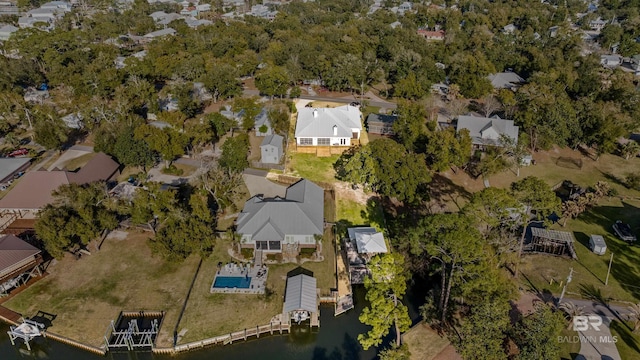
(585, 323)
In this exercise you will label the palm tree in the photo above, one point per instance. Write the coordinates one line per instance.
(602, 189)
(570, 210)
(634, 315)
(572, 310)
(630, 149)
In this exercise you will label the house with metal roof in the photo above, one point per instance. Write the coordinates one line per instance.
(19, 261)
(487, 131)
(262, 122)
(278, 224)
(362, 244)
(34, 190)
(9, 167)
(301, 297)
(328, 126)
(271, 149)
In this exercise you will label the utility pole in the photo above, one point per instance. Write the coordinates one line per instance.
(606, 282)
(564, 289)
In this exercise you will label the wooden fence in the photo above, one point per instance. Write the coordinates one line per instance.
(226, 339)
(261, 165)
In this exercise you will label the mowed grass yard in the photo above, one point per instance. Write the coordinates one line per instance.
(357, 214)
(590, 270)
(87, 294)
(424, 343)
(312, 167)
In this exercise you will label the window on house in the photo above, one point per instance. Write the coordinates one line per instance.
(274, 245)
(343, 141)
(306, 141)
(261, 245)
(324, 141)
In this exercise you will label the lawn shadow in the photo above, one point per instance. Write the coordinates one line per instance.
(614, 179)
(442, 189)
(44, 318)
(583, 239)
(374, 213)
(625, 334)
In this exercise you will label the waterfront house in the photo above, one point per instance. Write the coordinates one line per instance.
(34, 190)
(362, 244)
(279, 225)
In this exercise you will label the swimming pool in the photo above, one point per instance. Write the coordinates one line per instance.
(239, 282)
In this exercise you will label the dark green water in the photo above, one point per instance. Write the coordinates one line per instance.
(336, 340)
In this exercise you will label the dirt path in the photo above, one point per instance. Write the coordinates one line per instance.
(345, 191)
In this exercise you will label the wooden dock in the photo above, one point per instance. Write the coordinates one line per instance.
(9, 316)
(246, 334)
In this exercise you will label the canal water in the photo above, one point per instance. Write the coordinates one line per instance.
(337, 339)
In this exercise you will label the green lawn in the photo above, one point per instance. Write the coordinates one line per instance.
(590, 270)
(209, 315)
(358, 214)
(86, 294)
(628, 342)
(312, 167)
(569, 349)
(424, 343)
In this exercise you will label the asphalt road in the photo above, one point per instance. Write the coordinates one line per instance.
(381, 104)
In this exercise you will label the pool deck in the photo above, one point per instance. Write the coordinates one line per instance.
(258, 275)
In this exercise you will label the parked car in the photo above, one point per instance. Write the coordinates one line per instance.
(18, 175)
(3, 187)
(623, 231)
(19, 152)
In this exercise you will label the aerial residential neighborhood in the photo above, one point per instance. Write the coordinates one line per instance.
(320, 179)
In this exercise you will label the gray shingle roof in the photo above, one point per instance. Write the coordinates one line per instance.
(344, 117)
(505, 80)
(301, 294)
(262, 119)
(487, 131)
(301, 212)
(273, 140)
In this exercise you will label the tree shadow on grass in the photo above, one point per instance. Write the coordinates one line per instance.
(625, 334)
(614, 179)
(442, 189)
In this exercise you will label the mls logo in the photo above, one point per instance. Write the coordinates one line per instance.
(582, 323)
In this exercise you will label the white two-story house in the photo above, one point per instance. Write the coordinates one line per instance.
(328, 126)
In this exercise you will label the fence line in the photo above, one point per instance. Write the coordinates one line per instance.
(261, 165)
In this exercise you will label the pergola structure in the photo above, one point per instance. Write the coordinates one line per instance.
(552, 242)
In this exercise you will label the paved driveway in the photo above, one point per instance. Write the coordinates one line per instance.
(257, 183)
(66, 157)
(598, 344)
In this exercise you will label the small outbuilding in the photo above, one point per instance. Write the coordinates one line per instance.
(597, 244)
(271, 149)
